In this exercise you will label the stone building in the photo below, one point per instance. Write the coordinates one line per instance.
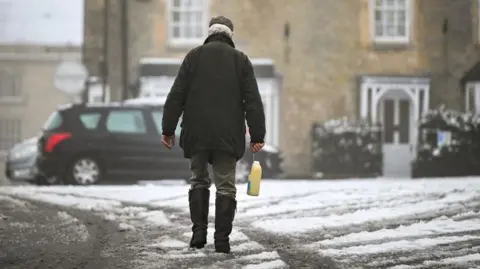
(32, 44)
(383, 60)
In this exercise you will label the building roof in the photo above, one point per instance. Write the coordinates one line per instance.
(41, 22)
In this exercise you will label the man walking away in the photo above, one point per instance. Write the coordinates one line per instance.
(216, 91)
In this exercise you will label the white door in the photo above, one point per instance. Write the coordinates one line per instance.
(396, 118)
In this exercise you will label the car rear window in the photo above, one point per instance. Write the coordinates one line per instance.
(157, 116)
(53, 122)
(126, 121)
(90, 120)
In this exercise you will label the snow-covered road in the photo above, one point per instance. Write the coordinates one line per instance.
(396, 224)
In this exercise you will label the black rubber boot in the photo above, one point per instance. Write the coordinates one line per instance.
(225, 208)
(199, 202)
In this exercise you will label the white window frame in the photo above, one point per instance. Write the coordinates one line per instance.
(472, 90)
(9, 79)
(14, 133)
(391, 39)
(182, 41)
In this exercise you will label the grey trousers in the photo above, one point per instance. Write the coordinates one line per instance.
(223, 165)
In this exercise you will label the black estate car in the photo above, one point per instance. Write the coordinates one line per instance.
(83, 144)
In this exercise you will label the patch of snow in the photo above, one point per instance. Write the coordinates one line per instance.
(156, 217)
(110, 216)
(173, 182)
(132, 210)
(178, 203)
(403, 266)
(135, 194)
(422, 228)
(396, 246)
(466, 215)
(97, 205)
(295, 225)
(20, 225)
(80, 231)
(459, 260)
(271, 255)
(276, 264)
(66, 218)
(123, 227)
(178, 255)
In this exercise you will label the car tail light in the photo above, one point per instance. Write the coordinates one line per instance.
(54, 139)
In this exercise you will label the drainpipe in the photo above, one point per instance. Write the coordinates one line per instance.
(84, 59)
(446, 50)
(125, 44)
(104, 64)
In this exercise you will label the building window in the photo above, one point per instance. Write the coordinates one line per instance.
(187, 21)
(391, 21)
(9, 133)
(472, 97)
(9, 86)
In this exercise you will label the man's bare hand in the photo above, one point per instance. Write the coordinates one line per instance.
(256, 147)
(168, 141)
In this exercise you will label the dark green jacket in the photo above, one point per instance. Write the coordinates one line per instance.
(216, 90)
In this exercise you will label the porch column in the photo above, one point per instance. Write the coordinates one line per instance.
(426, 99)
(477, 97)
(364, 101)
(267, 101)
(416, 103)
(276, 116)
(377, 93)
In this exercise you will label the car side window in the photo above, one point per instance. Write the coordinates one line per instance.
(126, 121)
(157, 116)
(90, 120)
(53, 122)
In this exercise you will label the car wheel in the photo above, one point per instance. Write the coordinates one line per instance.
(84, 171)
(241, 172)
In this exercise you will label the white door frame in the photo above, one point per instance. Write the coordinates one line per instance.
(377, 87)
(373, 88)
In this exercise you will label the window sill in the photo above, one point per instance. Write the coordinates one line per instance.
(392, 44)
(11, 100)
